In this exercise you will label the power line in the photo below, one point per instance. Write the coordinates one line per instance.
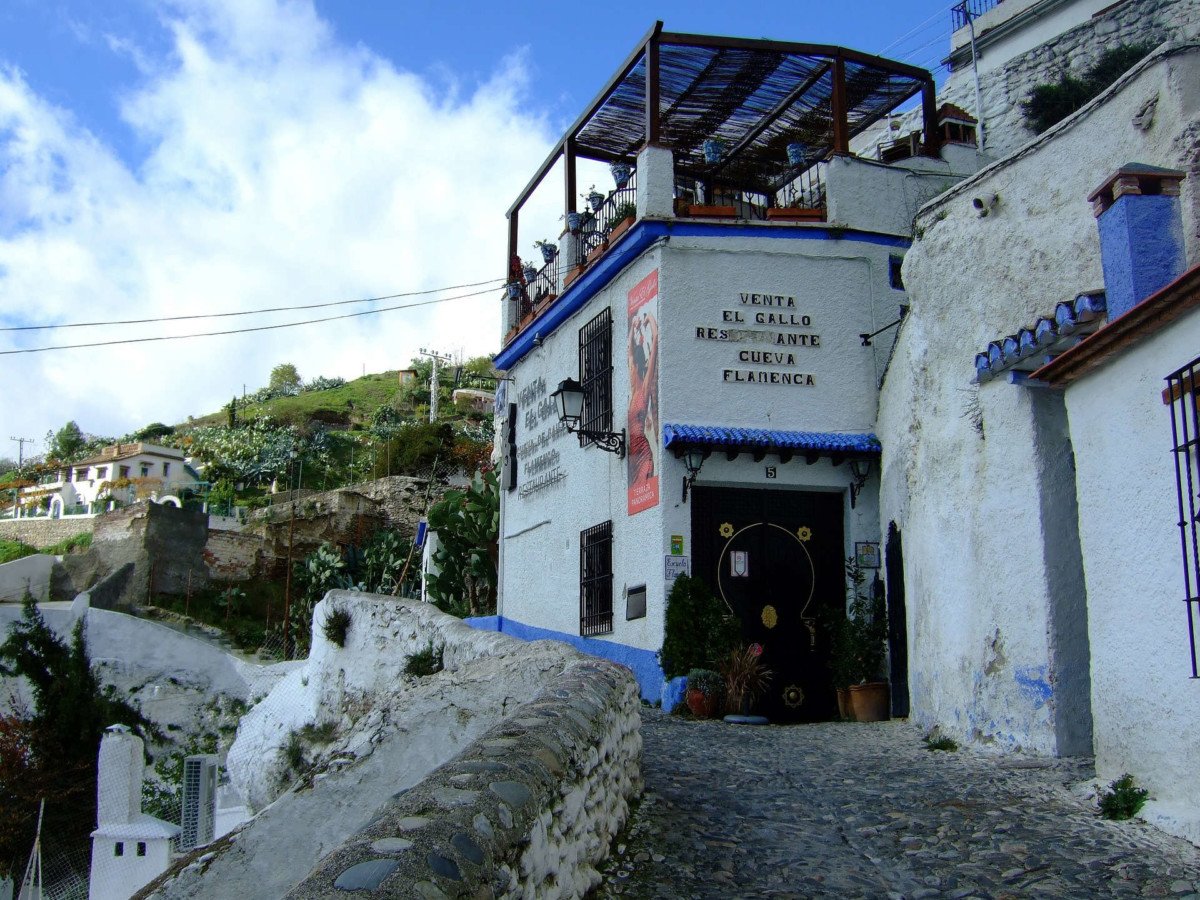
(249, 312)
(917, 28)
(179, 337)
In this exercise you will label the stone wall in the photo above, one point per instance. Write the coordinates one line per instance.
(528, 810)
(232, 555)
(1005, 88)
(567, 763)
(42, 533)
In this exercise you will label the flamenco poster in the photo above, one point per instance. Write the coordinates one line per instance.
(644, 454)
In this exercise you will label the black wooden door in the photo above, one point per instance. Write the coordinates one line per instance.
(776, 558)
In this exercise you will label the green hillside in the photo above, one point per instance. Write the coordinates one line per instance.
(341, 407)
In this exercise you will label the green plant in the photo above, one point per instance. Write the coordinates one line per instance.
(934, 742)
(1049, 104)
(623, 211)
(746, 679)
(707, 682)
(699, 630)
(293, 753)
(336, 625)
(467, 523)
(860, 638)
(79, 542)
(1123, 799)
(10, 550)
(424, 662)
(319, 734)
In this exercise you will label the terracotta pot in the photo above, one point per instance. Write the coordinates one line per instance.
(869, 702)
(795, 214)
(620, 228)
(843, 698)
(722, 212)
(702, 705)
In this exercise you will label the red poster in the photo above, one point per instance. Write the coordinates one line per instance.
(645, 448)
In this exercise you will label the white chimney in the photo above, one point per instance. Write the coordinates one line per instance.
(119, 780)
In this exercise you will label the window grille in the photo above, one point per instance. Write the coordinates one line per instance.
(1181, 396)
(595, 580)
(595, 376)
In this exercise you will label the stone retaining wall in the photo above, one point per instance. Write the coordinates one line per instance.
(528, 810)
(42, 533)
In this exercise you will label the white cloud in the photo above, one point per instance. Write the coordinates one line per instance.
(282, 168)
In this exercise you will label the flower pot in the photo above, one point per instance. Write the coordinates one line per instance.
(619, 229)
(620, 173)
(869, 702)
(514, 290)
(596, 200)
(843, 701)
(795, 214)
(574, 222)
(530, 273)
(702, 705)
(796, 153)
(549, 251)
(720, 212)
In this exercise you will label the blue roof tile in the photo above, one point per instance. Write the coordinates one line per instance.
(1029, 347)
(749, 438)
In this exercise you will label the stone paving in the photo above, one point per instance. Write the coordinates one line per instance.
(865, 810)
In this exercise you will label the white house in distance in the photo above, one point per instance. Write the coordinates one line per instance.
(122, 471)
(129, 848)
(729, 341)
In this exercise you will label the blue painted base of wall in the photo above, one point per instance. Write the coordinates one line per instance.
(644, 663)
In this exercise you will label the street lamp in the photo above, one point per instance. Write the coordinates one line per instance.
(860, 469)
(569, 400)
(693, 459)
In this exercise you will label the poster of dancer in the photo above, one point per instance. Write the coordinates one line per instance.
(643, 457)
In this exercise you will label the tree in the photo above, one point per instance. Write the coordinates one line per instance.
(66, 444)
(467, 524)
(55, 748)
(153, 431)
(699, 631)
(285, 380)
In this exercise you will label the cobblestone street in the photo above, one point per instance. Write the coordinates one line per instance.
(857, 810)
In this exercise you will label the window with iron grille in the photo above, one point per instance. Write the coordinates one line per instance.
(595, 376)
(1181, 396)
(595, 580)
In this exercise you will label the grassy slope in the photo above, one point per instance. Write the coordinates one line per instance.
(356, 399)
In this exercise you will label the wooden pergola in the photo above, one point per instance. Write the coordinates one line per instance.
(755, 96)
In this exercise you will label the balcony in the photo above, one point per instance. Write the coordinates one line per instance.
(713, 128)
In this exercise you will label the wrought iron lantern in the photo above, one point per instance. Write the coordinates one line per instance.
(569, 400)
(693, 459)
(859, 469)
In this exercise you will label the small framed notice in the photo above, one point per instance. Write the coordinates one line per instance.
(867, 554)
(676, 566)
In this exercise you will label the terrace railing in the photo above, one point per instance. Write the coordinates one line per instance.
(612, 212)
(967, 10)
(804, 193)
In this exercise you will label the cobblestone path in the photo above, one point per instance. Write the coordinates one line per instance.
(857, 810)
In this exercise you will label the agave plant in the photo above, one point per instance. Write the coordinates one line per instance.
(746, 679)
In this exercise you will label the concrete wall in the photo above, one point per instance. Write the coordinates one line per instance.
(1025, 24)
(991, 651)
(42, 533)
(528, 810)
(30, 573)
(1144, 700)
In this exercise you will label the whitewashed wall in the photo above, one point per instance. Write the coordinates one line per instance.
(982, 549)
(1145, 702)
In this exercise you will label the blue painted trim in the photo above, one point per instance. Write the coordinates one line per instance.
(644, 663)
(640, 236)
(723, 436)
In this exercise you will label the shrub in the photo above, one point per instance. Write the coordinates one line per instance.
(1049, 104)
(335, 626)
(424, 662)
(708, 682)
(1123, 799)
(699, 631)
(10, 550)
(746, 679)
(934, 742)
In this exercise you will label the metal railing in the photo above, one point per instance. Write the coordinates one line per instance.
(805, 191)
(612, 212)
(1181, 395)
(967, 10)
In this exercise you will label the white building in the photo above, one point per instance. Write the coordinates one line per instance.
(129, 847)
(746, 314)
(1037, 505)
(123, 472)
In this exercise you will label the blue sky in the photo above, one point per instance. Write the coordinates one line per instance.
(163, 157)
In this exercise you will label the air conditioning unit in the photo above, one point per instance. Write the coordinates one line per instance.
(199, 801)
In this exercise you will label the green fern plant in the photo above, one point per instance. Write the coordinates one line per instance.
(1123, 799)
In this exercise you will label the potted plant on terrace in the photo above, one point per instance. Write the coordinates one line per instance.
(705, 691)
(622, 217)
(594, 198)
(860, 648)
(548, 248)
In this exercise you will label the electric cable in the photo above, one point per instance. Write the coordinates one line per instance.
(250, 312)
(179, 337)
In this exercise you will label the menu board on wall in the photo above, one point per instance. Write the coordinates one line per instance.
(643, 458)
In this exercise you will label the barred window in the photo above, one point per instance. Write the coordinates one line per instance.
(1181, 396)
(595, 580)
(595, 376)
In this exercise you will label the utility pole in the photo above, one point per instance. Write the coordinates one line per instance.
(965, 9)
(435, 358)
(21, 442)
